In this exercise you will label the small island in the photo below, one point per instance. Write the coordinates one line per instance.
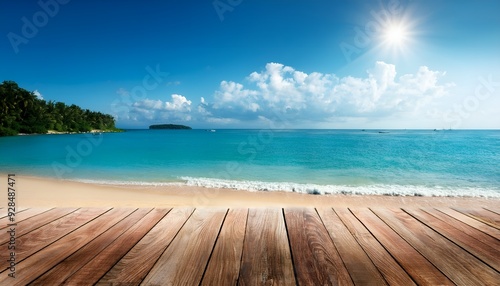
(169, 126)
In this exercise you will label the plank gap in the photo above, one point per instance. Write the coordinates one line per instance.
(215, 243)
(167, 246)
(290, 245)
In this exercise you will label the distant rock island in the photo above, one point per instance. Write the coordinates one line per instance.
(169, 126)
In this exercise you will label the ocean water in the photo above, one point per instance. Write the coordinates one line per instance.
(400, 162)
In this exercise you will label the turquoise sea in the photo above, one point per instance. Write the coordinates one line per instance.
(396, 162)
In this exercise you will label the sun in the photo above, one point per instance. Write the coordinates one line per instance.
(396, 34)
(400, 36)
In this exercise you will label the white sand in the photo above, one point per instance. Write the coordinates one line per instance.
(44, 192)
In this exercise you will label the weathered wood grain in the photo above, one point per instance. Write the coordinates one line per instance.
(186, 258)
(485, 252)
(5, 211)
(21, 216)
(361, 268)
(102, 263)
(90, 254)
(457, 264)
(315, 258)
(224, 264)
(43, 260)
(493, 210)
(36, 221)
(393, 273)
(417, 266)
(123, 246)
(482, 215)
(266, 253)
(464, 228)
(39, 238)
(135, 265)
(495, 233)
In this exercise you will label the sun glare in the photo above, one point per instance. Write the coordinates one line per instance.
(397, 37)
(395, 34)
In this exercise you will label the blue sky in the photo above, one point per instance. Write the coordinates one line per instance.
(261, 64)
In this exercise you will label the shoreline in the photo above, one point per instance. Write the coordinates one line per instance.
(53, 132)
(48, 192)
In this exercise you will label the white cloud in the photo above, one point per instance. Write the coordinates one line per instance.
(231, 95)
(283, 92)
(178, 108)
(179, 103)
(38, 94)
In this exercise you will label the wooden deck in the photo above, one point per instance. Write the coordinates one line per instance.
(291, 246)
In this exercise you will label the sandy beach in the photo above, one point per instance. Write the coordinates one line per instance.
(84, 234)
(46, 192)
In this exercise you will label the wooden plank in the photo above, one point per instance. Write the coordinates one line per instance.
(482, 215)
(40, 262)
(135, 265)
(456, 263)
(485, 252)
(90, 253)
(224, 265)
(37, 239)
(97, 268)
(21, 216)
(266, 253)
(5, 211)
(315, 258)
(186, 258)
(393, 273)
(493, 210)
(417, 266)
(464, 228)
(361, 268)
(495, 233)
(35, 222)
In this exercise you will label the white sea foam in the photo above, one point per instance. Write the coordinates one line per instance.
(387, 190)
(380, 189)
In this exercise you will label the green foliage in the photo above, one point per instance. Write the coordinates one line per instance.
(22, 112)
(7, 131)
(169, 126)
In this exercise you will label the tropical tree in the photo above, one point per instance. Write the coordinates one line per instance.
(22, 112)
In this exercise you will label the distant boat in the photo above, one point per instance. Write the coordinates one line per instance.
(383, 132)
(212, 130)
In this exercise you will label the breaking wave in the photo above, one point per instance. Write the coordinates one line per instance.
(386, 190)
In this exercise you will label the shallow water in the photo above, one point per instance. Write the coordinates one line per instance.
(401, 162)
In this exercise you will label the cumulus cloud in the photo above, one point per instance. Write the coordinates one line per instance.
(280, 91)
(38, 94)
(179, 108)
